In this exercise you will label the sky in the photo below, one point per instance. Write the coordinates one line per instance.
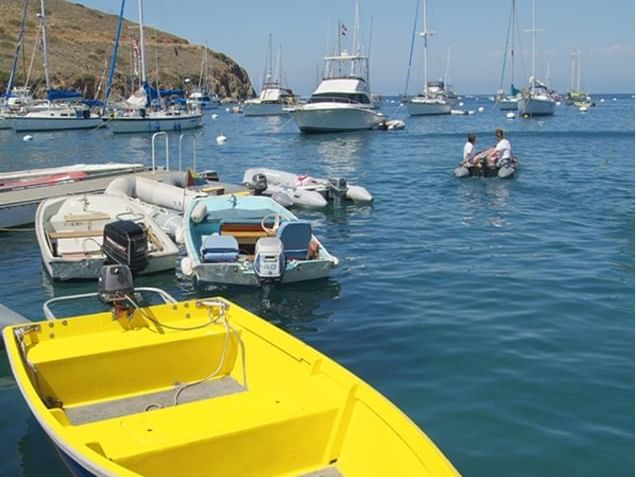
(474, 31)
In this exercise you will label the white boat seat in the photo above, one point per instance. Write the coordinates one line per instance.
(89, 217)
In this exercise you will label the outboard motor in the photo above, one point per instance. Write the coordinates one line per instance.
(259, 184)
(126, 243)
(338, 190)
(269, 260)
(114, 283)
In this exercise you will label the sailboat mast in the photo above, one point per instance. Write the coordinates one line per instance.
(534, 40)
(426, 34)
(355, 46)
(45, 45)
(268, 66)
(578, 75)
(141, 41)
(512, 45)
(18, 45)
(278, 71)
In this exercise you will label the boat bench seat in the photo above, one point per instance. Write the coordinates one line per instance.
(62, 234)
(258, 423)
(245, 234)
(109, 368)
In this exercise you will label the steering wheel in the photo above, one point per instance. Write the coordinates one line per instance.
(271, 231)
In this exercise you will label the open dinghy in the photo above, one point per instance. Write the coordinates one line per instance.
(250, 240)
(205, 388)
(77, 234)
(505, 170)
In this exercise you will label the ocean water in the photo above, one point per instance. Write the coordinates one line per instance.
(498, 315)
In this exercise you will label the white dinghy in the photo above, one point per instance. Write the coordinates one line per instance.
(304, 190)
(77, 234)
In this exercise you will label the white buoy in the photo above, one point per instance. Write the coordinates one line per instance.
(227, 110)
(220, 139)
(558, 103)
(471, 112)
(613, 99)
(461, 104)
(602, 100)
(186, 266)
(214, 116)
(28, 137)
(510, 115)
(480, 109)
(583, 109)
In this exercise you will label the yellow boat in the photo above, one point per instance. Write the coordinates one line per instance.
(203, 387)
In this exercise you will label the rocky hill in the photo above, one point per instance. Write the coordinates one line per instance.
(80, 43)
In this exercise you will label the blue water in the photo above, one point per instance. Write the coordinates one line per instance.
(499, 315)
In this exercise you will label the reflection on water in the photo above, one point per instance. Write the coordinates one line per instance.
(485, 199)
(340, 154)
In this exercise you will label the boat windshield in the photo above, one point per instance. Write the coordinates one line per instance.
(340, 98)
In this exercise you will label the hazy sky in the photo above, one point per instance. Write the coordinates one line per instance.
(474, 30)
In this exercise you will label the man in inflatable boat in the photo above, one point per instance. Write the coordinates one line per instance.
(495, 161)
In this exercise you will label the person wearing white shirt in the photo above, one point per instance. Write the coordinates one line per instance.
(502, 152)
(469, 149)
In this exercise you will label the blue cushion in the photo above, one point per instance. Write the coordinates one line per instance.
(295, 237)
(219, 248)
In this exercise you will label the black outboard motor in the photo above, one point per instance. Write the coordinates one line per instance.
(259, 184)
(126, 243)
(338, 190)
(114, 283)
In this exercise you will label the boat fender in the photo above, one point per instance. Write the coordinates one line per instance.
(179, 236)
(28, 137)
(199, 213)
(358, 194)
(186, 266)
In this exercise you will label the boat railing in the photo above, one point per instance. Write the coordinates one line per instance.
(49, 315)
(154, 138)
(194, 150)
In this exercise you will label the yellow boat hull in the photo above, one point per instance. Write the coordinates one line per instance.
(206, 388)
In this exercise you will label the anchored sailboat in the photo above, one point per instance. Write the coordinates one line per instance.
(508, 102)
(57, 113)
(273, 97)
(141, 116)
(434, 99)
(202, 96)
(537, 101)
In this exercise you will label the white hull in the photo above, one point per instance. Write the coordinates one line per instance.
(24, 124)
(152, 125)
(335, 117)
(535, 106)
(427, 108)
(76, 224)
(264, 109)
(508, 104)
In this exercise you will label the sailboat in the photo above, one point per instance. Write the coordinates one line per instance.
(141, 116)
(434, 99)
(57, 113)
(273, 98)
(201, 96)
(537, 101)
(575, 96)
(342, 101)
(508, 102)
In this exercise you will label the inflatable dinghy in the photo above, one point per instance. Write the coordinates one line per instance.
(505, 171)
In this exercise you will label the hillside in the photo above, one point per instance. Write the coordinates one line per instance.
(80, 44)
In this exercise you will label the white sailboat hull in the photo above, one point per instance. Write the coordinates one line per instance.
(508, 104)
(152, 125)
(335, 117)
(427, 108)
(264, 109)
(32, 124)
(535, 106)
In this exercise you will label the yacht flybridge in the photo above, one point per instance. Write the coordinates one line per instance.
(342, 101)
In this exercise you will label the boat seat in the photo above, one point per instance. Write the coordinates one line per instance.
(258, 423)
(295, 237)
(63, 234)
(88, 217)
(219, 248)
